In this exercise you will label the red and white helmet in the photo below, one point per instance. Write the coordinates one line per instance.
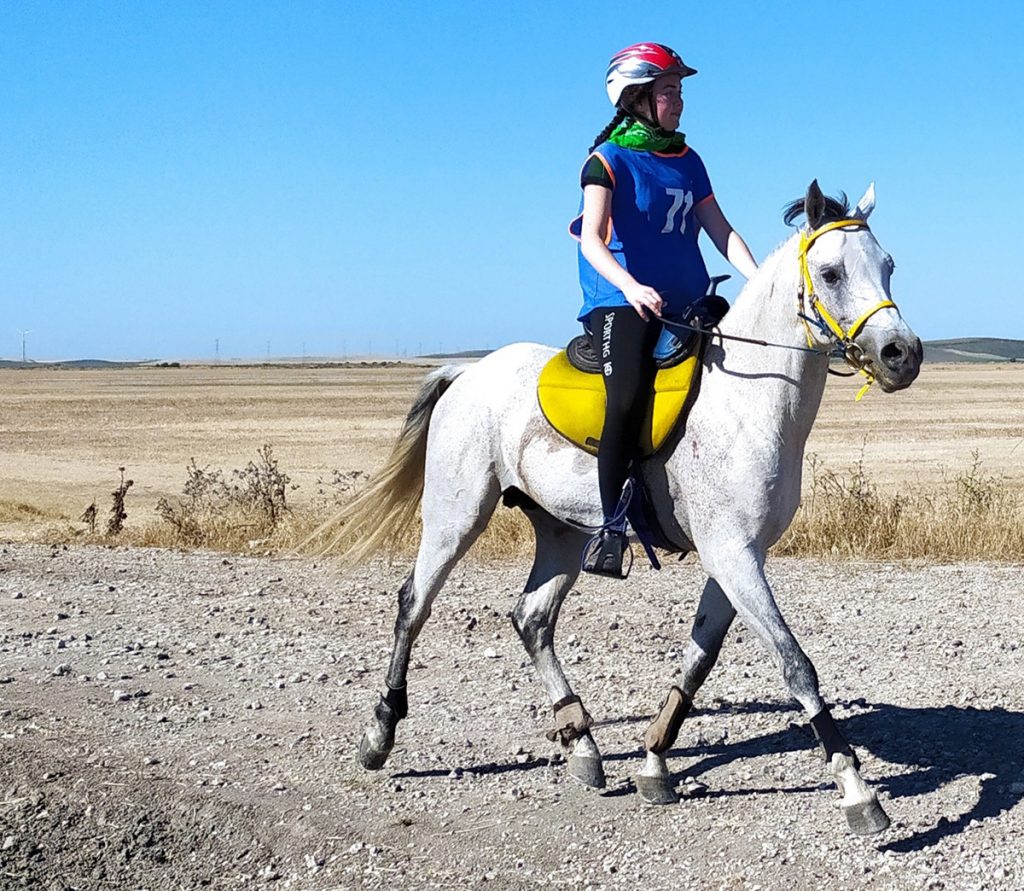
(640, 64)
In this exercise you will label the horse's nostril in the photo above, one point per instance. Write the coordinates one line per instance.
(893, 353)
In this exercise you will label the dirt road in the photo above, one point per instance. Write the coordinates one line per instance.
(172, 721)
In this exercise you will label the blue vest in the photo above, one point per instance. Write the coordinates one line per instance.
(653, 227)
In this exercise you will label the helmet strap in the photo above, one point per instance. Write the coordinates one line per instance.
(634, 108)
(637, 115)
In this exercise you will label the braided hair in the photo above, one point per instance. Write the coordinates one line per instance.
(627, 110)
(620, 115)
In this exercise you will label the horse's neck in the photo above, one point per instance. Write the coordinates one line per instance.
(782, 383)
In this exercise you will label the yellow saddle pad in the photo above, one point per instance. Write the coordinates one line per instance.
(573, 402)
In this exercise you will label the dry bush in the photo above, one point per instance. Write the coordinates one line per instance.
(844, 515)
(118, 514)
(972, 516)
(89, 517)
(19, 512)
(339, 488)
(226, 511)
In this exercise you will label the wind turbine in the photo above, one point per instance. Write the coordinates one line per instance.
(24, 334)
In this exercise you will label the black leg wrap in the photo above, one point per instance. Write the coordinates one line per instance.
(398, 701)
(830, 738)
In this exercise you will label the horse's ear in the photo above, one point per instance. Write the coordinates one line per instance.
(866, 204)
(814, 205)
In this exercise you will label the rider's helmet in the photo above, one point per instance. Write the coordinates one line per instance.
(640, 64)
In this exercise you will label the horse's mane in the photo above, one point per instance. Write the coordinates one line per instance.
(835, 209)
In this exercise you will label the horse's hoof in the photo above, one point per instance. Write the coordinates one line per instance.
(867, 818)
(656, 790)
(371, 756)
(379, 737)
(587, 771)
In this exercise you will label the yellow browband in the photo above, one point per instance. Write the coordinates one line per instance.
(845, 337)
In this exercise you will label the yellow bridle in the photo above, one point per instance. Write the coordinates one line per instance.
(851, 352)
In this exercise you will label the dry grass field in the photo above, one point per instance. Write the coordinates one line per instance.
(64, 433)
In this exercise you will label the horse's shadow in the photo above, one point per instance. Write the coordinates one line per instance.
(936, 746)
(939, 745)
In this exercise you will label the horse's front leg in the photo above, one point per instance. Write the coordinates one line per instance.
(741, 575)
(714, 616)
(555, 568)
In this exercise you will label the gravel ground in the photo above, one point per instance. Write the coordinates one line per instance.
(172, 721)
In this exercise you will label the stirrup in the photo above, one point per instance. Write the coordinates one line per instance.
(604, 553)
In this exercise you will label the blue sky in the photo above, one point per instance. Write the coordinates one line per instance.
(350, 177)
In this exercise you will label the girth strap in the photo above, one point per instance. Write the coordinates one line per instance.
(644, 520)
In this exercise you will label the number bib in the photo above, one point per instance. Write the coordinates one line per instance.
(653, 227)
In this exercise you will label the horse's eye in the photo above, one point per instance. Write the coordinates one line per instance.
(830, 276)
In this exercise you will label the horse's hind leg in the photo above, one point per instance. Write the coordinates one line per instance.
(742, 578)
(714, 616)
(446, 538)
(555, 567)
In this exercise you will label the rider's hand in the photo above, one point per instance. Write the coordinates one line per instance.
(643, 299)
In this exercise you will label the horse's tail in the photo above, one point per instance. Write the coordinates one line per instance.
(382, 511)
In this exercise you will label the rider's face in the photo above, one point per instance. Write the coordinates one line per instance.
(668, 100)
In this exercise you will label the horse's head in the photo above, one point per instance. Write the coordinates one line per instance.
(845, 296)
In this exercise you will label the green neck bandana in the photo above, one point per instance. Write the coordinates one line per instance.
(642, 138)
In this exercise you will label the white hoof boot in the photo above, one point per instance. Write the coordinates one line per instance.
(864, 815)
(585, 762)
(654, 783)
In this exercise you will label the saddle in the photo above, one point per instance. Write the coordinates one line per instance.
(573, 401)
(571, 392)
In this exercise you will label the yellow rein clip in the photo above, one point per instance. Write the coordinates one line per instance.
(867, 384)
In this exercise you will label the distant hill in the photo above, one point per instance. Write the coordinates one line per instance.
(465, 354)
(974, 349)
(83, 363)
(957, 349)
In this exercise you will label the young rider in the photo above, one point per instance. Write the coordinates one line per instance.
(646, 195)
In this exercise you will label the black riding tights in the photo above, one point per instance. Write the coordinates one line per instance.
(624, 344)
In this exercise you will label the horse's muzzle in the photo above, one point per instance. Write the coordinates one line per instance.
(898, 363)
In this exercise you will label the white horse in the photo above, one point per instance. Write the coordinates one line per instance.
(727, 485)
